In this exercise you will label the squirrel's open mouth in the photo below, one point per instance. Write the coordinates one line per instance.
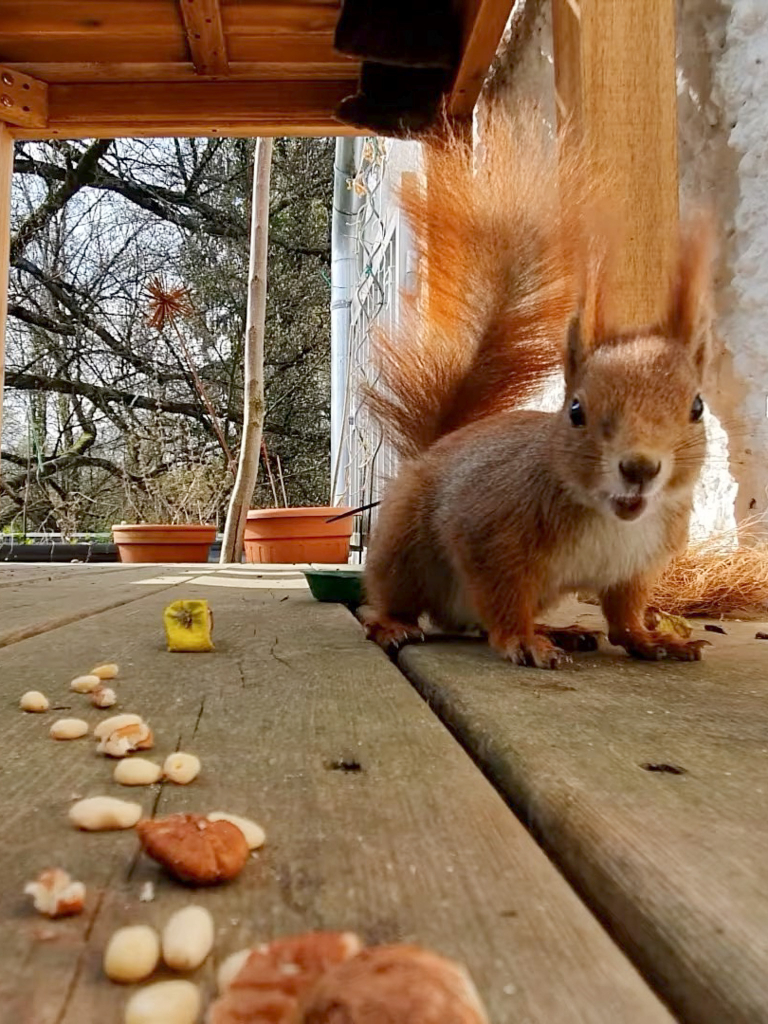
(629, 507)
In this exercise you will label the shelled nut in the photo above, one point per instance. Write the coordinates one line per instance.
(132, 953)
(104, 814)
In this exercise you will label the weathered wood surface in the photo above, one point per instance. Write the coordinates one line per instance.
(48, 600)
(675, 864)
(415, 844)
(17, 573)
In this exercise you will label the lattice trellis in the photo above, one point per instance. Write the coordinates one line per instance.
(382, 268)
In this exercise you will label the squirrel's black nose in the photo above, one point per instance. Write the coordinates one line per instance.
(639, 470)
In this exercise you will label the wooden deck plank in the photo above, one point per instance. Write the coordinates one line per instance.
(41, 604)
(676, 865)
(17, 573)
(416, 844)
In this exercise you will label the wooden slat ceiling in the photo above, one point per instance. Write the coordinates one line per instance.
(194, 67)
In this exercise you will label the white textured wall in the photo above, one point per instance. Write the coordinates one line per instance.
(707, 174)
(740, 74)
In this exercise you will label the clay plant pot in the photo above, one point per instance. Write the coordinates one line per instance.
(153, 542)
(297, 535)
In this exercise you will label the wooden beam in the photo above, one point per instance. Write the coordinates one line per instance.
(615, 81)
(205, 35)
(192, 108)
(6, 173)
(483, 24)
(23, 100)
(321, 63)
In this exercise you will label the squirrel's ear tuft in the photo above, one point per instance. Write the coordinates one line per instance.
(689, 312)
(574, 350)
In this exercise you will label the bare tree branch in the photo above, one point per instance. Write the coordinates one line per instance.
(101, 396)
(74, 179)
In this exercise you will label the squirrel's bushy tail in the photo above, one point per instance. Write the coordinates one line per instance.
(500, 237)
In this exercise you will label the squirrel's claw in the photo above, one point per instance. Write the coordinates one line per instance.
(656, 646)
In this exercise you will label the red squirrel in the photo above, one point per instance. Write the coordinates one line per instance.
(497, 511)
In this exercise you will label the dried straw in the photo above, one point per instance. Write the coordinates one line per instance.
(714, 578)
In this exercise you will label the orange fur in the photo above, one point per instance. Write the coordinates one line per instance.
(497, 511)
(502, 282)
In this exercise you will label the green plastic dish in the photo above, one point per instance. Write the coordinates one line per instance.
(342, 586)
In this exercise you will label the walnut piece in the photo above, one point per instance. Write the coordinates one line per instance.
(103, 697)
(120, 735)
(108, 725)
(273, 978)
(55, 894)
(194, 849)
(393, 985)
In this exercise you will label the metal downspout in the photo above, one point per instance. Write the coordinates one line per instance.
(346, 204)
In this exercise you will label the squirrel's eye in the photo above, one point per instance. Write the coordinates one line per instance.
(578, 419)
(697, 409)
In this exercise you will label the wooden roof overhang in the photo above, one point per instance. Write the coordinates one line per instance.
(110, 68)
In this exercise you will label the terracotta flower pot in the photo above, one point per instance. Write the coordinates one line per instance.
(297, 535)
(152, 542)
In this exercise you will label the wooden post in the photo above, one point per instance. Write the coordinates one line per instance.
(483, 23)
(253, 400)
(615, 82)
(6, 172)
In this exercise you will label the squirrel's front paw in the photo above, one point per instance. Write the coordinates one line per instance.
(535, 652)
(658, 646)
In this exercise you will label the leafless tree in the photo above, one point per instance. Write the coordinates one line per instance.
(104, 421)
